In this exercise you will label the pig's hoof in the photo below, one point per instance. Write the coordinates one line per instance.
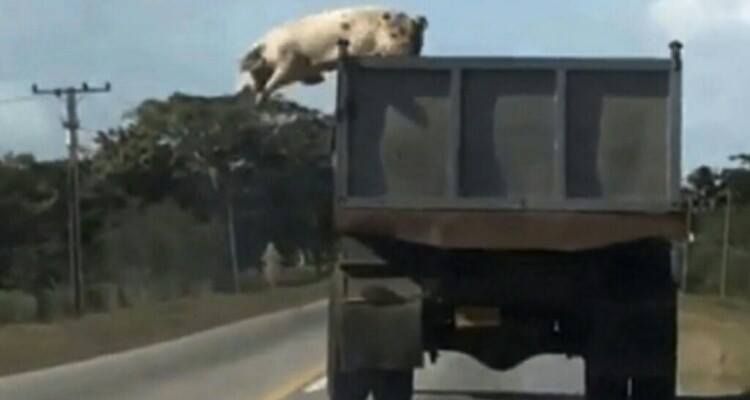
(313, 80)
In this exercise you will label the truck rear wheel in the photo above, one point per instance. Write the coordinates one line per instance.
(393, 385)
(659, 317)
(657, 381)
(384, 385)
(602, 386)
(633, 339)
(661, 385)
(653, 388)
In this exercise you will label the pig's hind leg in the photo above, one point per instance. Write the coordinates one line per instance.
(290, 68)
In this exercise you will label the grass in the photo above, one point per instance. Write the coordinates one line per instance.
(17, 306)
(714, 349)
(33, 346)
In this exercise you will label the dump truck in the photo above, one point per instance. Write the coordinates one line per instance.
(507, 207)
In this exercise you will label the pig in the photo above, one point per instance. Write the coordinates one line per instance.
(302, 51)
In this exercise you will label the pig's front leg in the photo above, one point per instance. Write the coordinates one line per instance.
(288, 69)
(313, 79)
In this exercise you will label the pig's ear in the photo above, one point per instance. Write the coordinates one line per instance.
(422, 22)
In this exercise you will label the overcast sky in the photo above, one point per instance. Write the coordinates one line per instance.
(151, 48)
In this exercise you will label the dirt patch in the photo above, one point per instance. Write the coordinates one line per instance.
(714, 346)
(33, 346)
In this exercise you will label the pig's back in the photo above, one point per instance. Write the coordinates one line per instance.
(316, 35)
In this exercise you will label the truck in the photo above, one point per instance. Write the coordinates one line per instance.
(507, 207)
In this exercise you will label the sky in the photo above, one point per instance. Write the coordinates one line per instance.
(152, 48)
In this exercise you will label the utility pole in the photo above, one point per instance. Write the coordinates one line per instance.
(686, 247)
(224, 187)
(233, 245)
(725, 247)
(75, 254)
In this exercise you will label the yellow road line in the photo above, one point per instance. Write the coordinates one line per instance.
(295, 384)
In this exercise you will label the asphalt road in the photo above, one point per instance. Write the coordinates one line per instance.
(275, 357)
(456, 376)
(250, 360)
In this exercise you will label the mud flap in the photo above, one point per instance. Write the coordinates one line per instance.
(380, 324)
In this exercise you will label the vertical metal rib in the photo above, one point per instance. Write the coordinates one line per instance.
(561, 98)
(453, 145)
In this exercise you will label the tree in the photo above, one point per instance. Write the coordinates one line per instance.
(225, 158)
(32, 209)
(735, 179)
(703, 179)
(743, 159)
(704, 183)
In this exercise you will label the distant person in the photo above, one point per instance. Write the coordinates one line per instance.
(272, 261)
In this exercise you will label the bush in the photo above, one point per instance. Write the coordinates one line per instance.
(102, 297)
(298, 276)
(54, 303)
(162, 247)
(199, 288)
(165, 289)
(703, 270)
(738, 273)
(251, 280)
(706, 253)
(17, 306)
(133, 294)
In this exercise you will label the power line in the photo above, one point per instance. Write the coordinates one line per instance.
(20, 99)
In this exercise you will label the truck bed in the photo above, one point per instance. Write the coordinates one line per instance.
(509, 153)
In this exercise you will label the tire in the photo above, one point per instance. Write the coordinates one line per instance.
(394, 385)
(658, 388)
(661, 386)
(347, 386)
(660, 316)
(600, 386)
(639, 297)
(657, 384)
(384, 385)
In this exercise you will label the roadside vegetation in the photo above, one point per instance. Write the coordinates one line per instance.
(97, 334)
(718, 259)
(714, 352)
(182, 199)
(195, 212)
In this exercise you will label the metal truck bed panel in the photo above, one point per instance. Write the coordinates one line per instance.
(598, 135)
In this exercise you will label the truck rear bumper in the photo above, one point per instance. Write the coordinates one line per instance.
(493, 230)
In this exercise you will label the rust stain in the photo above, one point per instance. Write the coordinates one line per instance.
(566, 231)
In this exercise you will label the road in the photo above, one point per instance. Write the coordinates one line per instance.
(275, 357)
(249, 360)
(455, 375)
